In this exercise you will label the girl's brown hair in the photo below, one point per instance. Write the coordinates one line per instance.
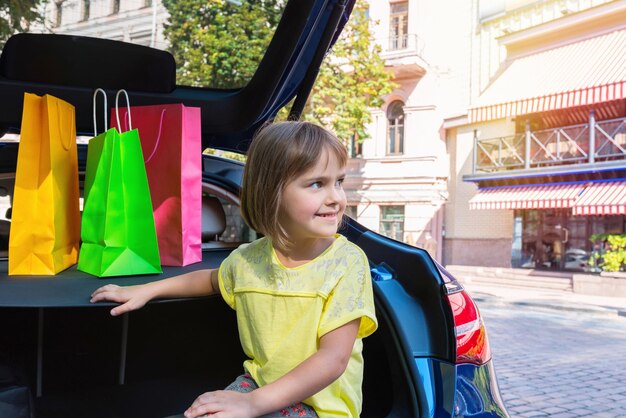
(279, 153)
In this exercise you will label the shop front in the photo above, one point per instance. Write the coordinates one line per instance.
(559, 226)
(555, 239)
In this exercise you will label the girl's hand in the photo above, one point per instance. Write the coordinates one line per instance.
(222, 404)
(130, 297)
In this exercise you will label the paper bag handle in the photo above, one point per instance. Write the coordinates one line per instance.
(69, 138)
(156, 143)
(95, 95)
(117, 109)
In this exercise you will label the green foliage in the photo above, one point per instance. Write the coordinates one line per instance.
(219, 43)
(16, 16)
(351, 82)
(612, 256)
(225, 154)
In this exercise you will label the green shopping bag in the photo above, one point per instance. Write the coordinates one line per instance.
(118, 232)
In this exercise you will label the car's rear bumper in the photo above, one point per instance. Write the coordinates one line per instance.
(475, 388)
(477, 393)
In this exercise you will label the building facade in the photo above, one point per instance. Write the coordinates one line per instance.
(136, 21)
(538, 163)
(397, 182)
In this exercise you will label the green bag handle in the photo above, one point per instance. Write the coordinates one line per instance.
(117, 109)
(130, 126)
(95, 95)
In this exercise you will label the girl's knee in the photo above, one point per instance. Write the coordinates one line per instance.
(243, 384)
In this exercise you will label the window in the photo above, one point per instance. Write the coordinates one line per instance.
(351, 211)
(85, 10)
(554, 239)
(236, 229)
(115, 7)
(58, 10)
(392, 222)
(395, 134)
(355, 148)
(398, 25)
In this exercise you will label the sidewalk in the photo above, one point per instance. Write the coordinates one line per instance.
(546, 298)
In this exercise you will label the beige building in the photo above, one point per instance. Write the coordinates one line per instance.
(136, 21)
(397, 183)
(538, 162)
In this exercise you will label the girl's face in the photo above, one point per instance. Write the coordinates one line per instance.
(313, 203)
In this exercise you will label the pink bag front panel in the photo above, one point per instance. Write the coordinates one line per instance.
(172, 149)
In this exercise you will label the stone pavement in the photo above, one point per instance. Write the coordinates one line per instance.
(557, 363)
(547, 298)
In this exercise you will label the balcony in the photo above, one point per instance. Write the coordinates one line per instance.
(391, 180)
(590, 145)
(404, 54)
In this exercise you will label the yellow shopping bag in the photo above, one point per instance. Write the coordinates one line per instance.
(45, 224)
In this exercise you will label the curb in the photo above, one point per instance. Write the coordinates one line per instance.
(551, 305)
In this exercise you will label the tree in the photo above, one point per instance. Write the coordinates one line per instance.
(351, 82)
(16, 16)
(219, 43)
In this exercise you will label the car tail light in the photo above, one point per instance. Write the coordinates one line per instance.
(472, 345)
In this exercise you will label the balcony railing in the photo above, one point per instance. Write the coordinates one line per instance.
(574, 144)
(503, 153)
(401, 46)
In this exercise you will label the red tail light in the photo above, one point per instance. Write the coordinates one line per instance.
(472, 345)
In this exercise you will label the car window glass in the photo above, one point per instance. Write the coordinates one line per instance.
(236, 228)
(205, 37)
(225, 154)
(6, 189)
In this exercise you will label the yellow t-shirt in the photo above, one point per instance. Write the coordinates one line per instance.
(282, 313)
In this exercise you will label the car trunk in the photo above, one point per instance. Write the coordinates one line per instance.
(175, 351)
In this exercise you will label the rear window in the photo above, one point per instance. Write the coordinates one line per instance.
(216, 43)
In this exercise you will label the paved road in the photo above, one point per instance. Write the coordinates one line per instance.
(558, 363)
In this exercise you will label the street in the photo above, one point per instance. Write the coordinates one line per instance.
(554, 363)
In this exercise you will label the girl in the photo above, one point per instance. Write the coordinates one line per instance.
(302, 293)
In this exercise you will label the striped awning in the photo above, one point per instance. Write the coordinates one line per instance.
(604, 198)
(527, 197)
(582, 73)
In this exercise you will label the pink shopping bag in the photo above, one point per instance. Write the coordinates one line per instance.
(172, 149)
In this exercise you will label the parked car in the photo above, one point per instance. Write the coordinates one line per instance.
(577, 259)
(430, 356)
